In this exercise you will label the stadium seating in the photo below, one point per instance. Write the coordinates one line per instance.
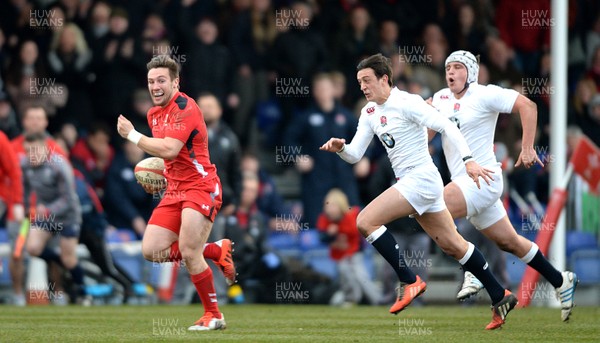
(127, 259)
(577, 240)
(316, 254)
(285, 244)
(319, 260)
(4, 258)
(311, 240)
(586, 264)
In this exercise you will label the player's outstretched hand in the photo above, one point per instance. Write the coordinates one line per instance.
(124, 126)
(474, 170)
(333, 145)
(528, 158)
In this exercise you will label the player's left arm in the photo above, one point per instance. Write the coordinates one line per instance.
(167, 148)
(527, 110)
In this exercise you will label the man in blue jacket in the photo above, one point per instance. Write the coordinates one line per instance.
(320, 171)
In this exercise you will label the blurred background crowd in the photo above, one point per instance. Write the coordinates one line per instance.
(275, 79)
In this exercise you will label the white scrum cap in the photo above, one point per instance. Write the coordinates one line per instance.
(468, 60)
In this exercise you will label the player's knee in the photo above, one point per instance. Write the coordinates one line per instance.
(34, 249)
(189, 252)
(154, 252)
(149, 254)
(450, 248)
(363, 225)
(508, 244)
(453, 252)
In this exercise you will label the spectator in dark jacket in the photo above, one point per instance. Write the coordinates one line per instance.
(8, 117)
(93, 154)
(355, 42)
(209, 67)
(225, 151)
(127, 204)
(249, 230)
(299, 53)
(121, 63)
(269, 201)
(320, 171)
(251, 40)
(69, 60)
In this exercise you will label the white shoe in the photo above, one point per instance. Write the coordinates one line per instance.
(471, 286)
(566, 293)
(209, 322)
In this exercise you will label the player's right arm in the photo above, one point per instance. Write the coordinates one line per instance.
(167, 148)
(354, 151)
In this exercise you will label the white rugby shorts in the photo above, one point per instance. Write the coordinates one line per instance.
(484, 206)
(423, 188)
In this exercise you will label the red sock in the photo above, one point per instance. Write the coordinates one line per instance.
(206, 290)
(212, 251)
(174, 254)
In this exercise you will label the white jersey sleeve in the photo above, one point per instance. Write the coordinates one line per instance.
(424, 114)
(498, 99)
(354, 151)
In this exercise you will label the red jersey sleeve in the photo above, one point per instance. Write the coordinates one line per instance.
(11, 168)
(182, 123)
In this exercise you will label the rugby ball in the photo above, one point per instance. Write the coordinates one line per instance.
(149, 172)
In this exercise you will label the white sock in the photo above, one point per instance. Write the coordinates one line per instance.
(468, 254)
(531, 253)
(376, 234)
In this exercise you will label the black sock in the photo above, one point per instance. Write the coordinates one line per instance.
(477, 265)
(541, 264)
(387, 247)
(77, 274)
(49, 255)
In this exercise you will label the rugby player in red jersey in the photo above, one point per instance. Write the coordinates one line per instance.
(180, 224)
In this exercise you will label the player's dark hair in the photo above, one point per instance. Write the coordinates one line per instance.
(380, 64)
(164, 61)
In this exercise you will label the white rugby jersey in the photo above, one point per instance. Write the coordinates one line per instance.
(475, 114)
(401, 125)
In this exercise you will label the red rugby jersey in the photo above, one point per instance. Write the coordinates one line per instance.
(11, 183)
(182, 119)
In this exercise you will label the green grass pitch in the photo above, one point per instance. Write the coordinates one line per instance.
(293, 323)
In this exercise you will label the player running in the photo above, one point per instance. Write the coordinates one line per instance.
(180, 224)
(474, 108)
(399, 120)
